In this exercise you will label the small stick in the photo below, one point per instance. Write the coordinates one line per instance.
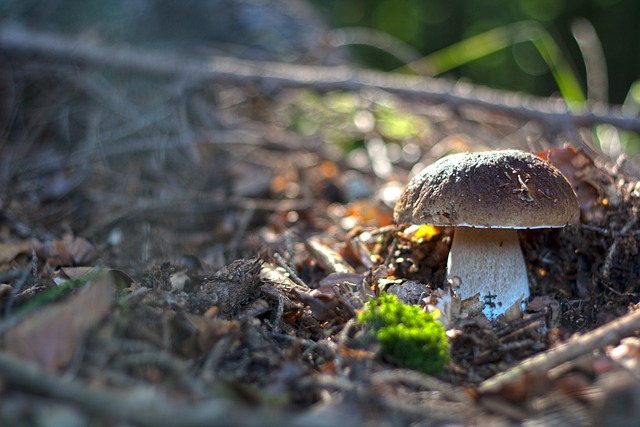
(279, 312)
(343, 336)
(424, 381)
(392, 249)
(292, 274)
(155, 411)
(290, 251)
(577, 346)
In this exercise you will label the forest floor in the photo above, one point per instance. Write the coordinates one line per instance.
(193, 249)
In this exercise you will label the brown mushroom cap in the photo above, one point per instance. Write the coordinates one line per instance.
(496, 189)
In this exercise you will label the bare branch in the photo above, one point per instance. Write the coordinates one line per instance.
(577, 346)
(150, 409)
(552, 112)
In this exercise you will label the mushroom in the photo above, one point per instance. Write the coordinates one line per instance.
(487, 197)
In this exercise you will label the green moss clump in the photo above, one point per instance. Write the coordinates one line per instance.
(408, 336)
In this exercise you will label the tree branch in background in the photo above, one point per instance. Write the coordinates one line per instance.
(552, 112)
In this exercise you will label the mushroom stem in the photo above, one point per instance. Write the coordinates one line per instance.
(489, 261)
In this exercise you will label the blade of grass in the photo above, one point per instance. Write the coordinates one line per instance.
(631, 103)
(499, 38)
(595, 63)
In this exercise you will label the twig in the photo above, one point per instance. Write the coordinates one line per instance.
(328, 381)
(279, 312)
(144, 411)
(391, 254)
(343, 336)
(289, 245)
(292, 274)
(552, 112)
(423, 381)
(577, 346)
(309, 344)
(430, 411)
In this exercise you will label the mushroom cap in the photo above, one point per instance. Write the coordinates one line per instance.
(494, 189)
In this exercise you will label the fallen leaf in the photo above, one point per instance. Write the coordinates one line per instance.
(355, 249)
(514, 312)
(444, 305)
(68, 251)
(364, 212)
(594, 188)
(77, 272)
(540, 303)
(333, 279)
(324, 306)
(9, 251)
(51, 335)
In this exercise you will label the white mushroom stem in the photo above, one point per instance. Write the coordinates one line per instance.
(489, 261)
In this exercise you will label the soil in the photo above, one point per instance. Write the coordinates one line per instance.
(196, 254)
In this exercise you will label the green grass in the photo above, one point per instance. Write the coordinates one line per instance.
(484, 44)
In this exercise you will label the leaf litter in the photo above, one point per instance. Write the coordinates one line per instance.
(238, 252)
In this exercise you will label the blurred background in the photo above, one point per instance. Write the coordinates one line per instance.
(428, 26)
(510, 43)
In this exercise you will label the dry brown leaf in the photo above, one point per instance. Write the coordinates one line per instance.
(541, 303)
(68, 251)
(77, 272)
(50, 336)
(356, 250)
(9, 251)
(364, 212)
(594, 188)
(333, 279)
(324, 306)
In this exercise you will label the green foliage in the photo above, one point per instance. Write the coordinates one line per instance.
(431, 26)
(499, 38)
(346, 121)
(408, 336)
